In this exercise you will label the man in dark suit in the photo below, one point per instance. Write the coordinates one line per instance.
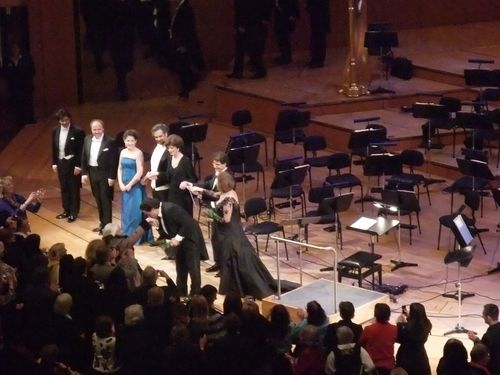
(183, 232)
(185, 56)
(250, 21)
(67, 145)
(99, 165)
(319, 13)
(286, 13)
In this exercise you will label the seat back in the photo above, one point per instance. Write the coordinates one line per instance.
(472, 200)
(255, 206)
(241, 118)
(408, 201)
(342, 202)
(339, 161)
(412, 158)
(314, 143)
(317, 194)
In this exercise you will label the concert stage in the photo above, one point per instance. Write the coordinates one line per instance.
(321, 290)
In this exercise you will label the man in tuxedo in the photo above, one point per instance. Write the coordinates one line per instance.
(160, 158)
(319, 15)
(99, 165)
(185, 233)
(219, 163)
(286, 13)
(67, 145)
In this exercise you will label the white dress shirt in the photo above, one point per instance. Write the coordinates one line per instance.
(155, 162)
(63, 136)
(94, 151)
(177, 237)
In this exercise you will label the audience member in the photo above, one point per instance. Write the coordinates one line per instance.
(182, 356)
(311, 360)
(479, 357)
(104, 346)
(413, 332)
(280, 329)
(454, 359)
(55, 254)
(215, 328)
(314, 315)
(346, 311)
(491, 337)
(348, 357)
(378, 339)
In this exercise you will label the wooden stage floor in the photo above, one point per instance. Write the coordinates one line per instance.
(28, 159)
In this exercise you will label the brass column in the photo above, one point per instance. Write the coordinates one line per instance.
(352, 88)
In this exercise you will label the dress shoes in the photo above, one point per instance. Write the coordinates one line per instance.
(315, 65)
(63, 215)
(234, 75)
(217, 274)
(258, 76)
(213, 268)
(97, 230)
(71, 218)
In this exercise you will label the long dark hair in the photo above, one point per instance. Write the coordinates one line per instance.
(418, 323)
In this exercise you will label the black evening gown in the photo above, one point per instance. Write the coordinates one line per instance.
(411, 354)
(183, 172)
(241, 270)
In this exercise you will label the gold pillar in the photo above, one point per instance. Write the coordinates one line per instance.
(352, 88)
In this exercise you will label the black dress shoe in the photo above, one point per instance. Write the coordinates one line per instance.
(217, 274)
(234, 75)
(213, 268)
(97, 229)
(258, 76)
(63, 215)
(71, 218)
(315, 65)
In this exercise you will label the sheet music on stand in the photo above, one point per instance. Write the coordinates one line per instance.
(364, 223)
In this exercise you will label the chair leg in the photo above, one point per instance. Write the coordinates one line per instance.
(362, 199)
(439, 236)
(257, 244)
(286, 247)
(480, 239)
(428, 194)
(267, 243)
(310, 179)
(265, 149)
(410, 228)
(418, 223)
(264, 183)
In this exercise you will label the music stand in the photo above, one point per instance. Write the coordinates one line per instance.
(482, 78)
(393, 201)
(373, 227)
(383, 41)
(473, 121)
(246, 156)
(288, 178)
(191, 133)
(289, 127)
(463, 256)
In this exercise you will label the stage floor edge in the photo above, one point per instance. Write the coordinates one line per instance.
(321, 290)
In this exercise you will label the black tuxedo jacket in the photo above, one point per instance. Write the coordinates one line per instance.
(107, 158)
(162, 169)
(288, 8)
(178, 222)
(73, 145)
(319, 11)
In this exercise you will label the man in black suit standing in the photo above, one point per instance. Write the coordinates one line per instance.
(250, 21)
(67, 145)
(99, 165)
(286, 13)
(319, 13)
(183, 232)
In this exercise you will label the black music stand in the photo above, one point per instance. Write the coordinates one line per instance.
(380, 165)
(482, 78)
(462, 256)
(289, 127)
(246, 157)
(394, 201)
(191, 133)
(382, 41)
(473, 121)
(288, 178)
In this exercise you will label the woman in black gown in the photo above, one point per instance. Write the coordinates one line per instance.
(412, 335)
(241, 270)
(180, 169)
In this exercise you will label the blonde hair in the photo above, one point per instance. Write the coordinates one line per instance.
(56, 251)
(156, 297)
(63, 304)
(4, 181)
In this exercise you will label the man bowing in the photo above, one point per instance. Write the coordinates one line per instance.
(183, 232)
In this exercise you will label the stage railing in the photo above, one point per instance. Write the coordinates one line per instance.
(278, 240)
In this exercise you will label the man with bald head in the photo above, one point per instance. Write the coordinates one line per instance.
(99, 166)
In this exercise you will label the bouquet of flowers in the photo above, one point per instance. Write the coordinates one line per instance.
(164, 243)
(212, 213)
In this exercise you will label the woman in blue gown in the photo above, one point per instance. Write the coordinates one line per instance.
(130, 169)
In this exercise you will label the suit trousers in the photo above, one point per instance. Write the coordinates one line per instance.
(318, 45)
(162, 196)
(103, 194)
(187, 261)
(70, 186)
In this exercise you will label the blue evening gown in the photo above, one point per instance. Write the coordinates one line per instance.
(131, 201)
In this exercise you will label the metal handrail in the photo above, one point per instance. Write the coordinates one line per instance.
(300, 244)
